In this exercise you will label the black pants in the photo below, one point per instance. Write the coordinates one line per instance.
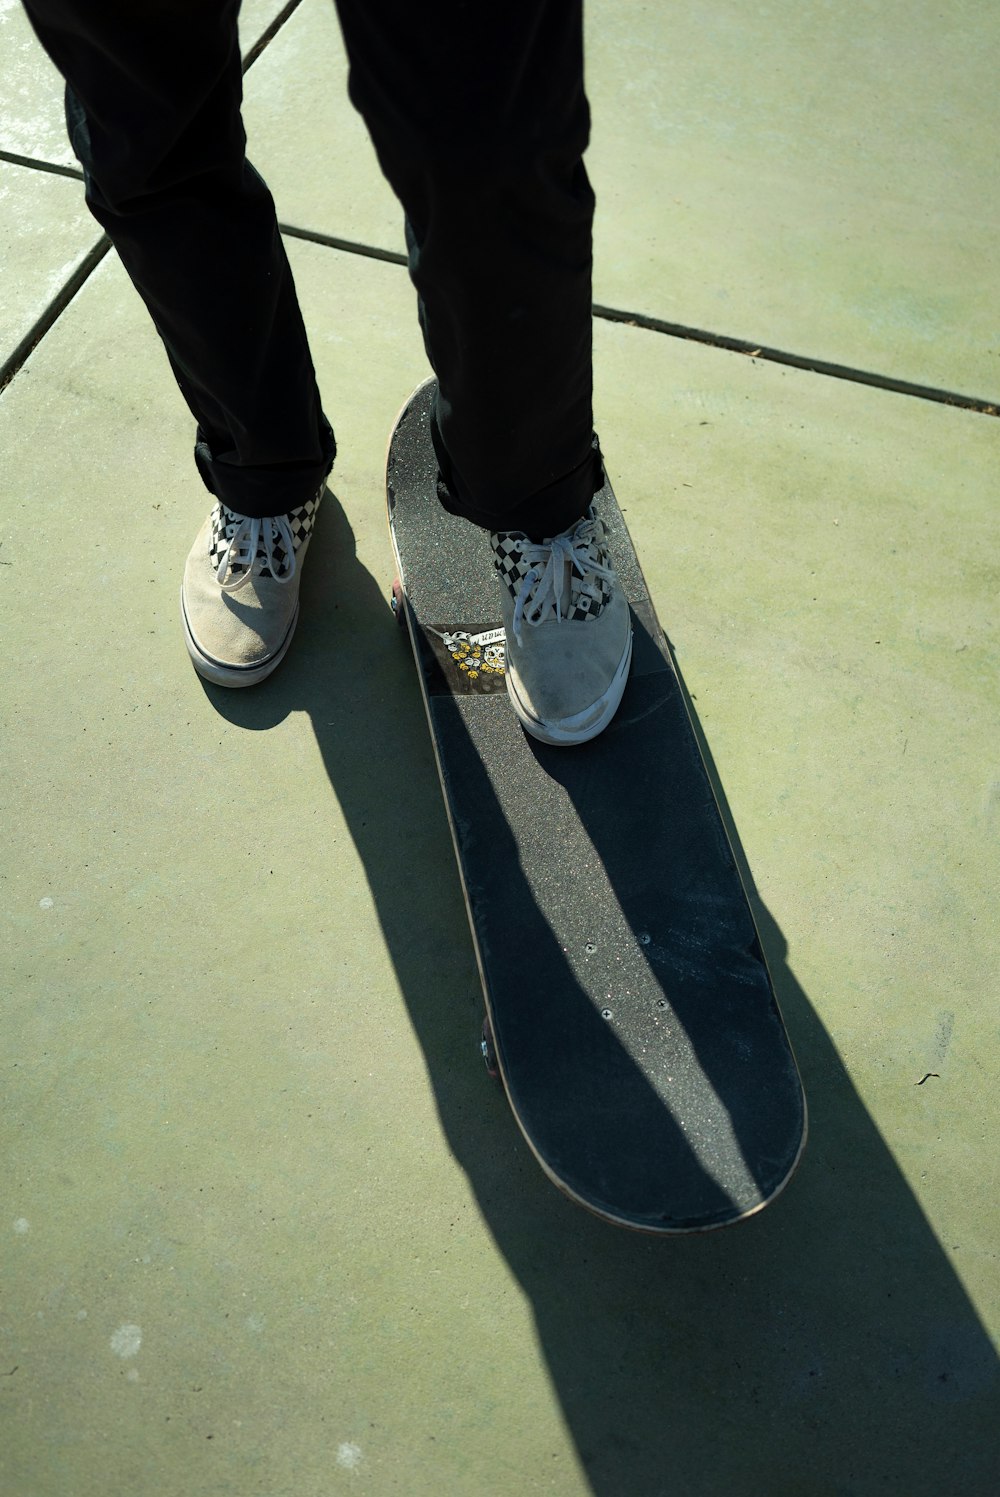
(479, 118)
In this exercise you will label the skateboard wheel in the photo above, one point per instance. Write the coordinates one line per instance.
(489, 1050)
(396, 602)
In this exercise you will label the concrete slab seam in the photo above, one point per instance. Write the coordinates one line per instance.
(268, 35)
(980, 405)
(53, 311)
(53, 167)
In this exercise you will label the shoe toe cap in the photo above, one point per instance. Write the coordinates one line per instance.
(570, 689)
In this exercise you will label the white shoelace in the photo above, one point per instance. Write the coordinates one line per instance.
(549, 576)
(243, 546)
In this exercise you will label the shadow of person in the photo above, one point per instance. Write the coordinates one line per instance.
(826, 1346)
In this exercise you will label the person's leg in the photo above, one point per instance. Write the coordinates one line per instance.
(153, 108)
(480, 121)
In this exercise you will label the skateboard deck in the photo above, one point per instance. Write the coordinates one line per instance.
(628, 1003)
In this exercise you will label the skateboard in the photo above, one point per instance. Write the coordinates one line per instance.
(630, 1014)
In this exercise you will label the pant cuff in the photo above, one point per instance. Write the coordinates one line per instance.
(264, 489)
(541, 515)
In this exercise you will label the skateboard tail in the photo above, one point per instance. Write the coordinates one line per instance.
(646, 1200)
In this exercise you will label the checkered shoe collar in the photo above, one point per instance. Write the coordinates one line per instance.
(569, 577)
(242, 546)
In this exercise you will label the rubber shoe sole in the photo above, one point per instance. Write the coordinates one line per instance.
(221, 674)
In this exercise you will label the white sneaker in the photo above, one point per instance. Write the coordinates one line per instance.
(240, 594)
(569, 631)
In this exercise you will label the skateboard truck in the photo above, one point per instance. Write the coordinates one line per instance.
(489, 1051)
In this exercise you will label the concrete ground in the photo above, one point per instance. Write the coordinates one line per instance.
(267, 1226)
